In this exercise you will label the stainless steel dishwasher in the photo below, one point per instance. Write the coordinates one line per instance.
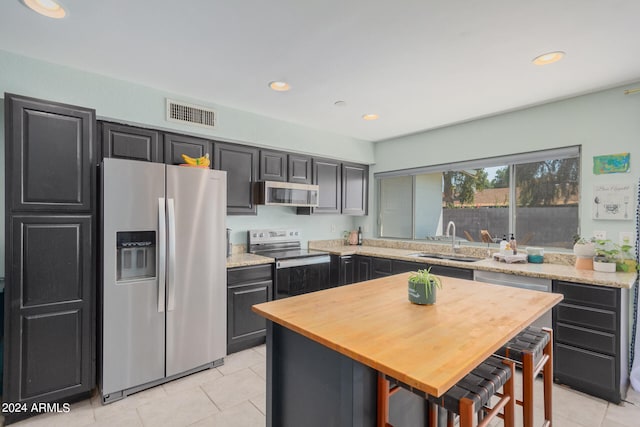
(523, 282)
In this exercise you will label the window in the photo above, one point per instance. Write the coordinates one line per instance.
(533, 195)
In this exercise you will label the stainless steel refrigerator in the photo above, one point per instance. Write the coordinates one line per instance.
(163, 299)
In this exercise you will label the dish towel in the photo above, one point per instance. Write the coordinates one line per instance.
(634, 358)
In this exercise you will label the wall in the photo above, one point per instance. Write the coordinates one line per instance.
(123, 101)
(604, 122)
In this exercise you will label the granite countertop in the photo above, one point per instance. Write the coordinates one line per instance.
(545, 271)
(244, 259)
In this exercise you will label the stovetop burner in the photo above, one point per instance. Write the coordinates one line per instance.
(280, 244)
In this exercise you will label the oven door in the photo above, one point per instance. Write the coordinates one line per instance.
(302, 275)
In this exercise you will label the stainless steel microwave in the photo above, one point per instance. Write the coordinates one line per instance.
(287, 194)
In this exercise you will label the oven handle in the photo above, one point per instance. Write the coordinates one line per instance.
(297, 262)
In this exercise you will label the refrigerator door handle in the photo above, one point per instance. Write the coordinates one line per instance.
(162, 252)
(171, 285)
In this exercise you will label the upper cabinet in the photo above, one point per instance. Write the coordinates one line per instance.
(177, 145)
(129, 142)
(241, 164)
(326, 174)
(50, 155)
(273, 166)
(344, 187)
(299, 168)
(355, 183)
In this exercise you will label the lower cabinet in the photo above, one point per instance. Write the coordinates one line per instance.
(247, 286)
(349, 269)
(591, 339)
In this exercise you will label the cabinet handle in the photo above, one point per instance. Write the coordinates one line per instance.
(171, 300)
(162, 252)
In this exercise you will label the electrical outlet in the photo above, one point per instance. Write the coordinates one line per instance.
(600, 234)
(625, 238)
(333, 228)
(366, 228)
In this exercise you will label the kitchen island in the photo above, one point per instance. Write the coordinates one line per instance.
(325, 349)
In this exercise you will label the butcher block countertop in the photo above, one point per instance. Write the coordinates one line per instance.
(427, 347)
(554, 271)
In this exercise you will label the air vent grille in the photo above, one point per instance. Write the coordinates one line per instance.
(193, 114)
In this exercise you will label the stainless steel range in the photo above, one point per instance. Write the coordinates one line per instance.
(298, 270)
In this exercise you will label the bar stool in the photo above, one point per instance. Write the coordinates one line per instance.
(467, 398)
(532, 349)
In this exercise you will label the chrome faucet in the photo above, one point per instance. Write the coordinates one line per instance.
(453, 236)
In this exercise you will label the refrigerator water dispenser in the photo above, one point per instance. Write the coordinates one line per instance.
(135, 255)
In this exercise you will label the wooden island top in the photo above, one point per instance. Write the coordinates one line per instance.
(427, 347)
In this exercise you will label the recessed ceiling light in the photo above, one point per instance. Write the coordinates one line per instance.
(280, 86)
(371, 116)
(548, 58)
(49, 8)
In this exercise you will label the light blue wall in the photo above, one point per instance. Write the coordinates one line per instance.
(123, 101)
(605, 122)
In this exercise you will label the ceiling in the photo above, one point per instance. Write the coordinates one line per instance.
(419, 64)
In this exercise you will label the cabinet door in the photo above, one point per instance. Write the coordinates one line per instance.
(445, 270)
(177, 145)
(244, 327)
(326, 174)
(404, 266)
(241, 164)
(273, 166)
(129, 142)
(355, 186)
(51, 323)
(347, 270)
(363, 268)
(299, 169)
(49, 155)
(381, 267)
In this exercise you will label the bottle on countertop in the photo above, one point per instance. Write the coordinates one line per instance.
(513, 244)
(503, 245)
(359, 236)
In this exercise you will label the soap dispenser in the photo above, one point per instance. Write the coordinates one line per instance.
(503, 245)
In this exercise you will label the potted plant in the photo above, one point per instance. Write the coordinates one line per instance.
(584, 249)
(606, 256)
(422, 287)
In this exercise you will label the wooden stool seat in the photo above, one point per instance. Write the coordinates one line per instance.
(532, 350)
(469, 396)
(531, 340)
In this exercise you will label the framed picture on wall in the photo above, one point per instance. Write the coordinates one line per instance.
(613, 201)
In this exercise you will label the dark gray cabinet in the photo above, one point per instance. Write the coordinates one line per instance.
(355, 185)
(49, 351)
(177, 145)
(381, 267)
(247, 286)
(273, 166)
(326, 174)
(241, 164)
(588, 344)
(130, 142)
(363, 268)
(299, 169)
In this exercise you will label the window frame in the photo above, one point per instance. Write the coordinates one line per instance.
(509, 160)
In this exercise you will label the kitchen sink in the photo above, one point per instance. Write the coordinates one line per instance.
(460, 258)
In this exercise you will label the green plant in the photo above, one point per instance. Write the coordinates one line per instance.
(425, 277)
(606, 250)
(626, 261)
(577, 239)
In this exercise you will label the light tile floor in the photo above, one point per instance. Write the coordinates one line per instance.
(233, 395)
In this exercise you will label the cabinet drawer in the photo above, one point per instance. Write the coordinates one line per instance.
(586, 316)
(585, 370)
(587, 295)
(249, 274)
(589, 339)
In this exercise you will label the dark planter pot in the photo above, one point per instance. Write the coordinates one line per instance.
(418, 293)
